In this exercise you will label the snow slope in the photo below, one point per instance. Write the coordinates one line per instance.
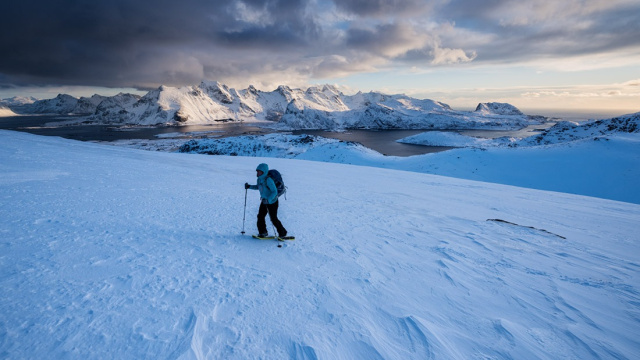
(108, 252)
(596, 158)
(5, 111)
(606, 166)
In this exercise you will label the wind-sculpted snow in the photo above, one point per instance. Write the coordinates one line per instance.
(114, 253)
(318, 107)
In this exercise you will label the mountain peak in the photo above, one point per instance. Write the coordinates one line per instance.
(217, 91)
(497, 108)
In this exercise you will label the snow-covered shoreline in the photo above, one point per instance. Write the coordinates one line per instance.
(454, 139)
(109, 252)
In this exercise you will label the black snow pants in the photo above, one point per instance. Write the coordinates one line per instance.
(272, 210)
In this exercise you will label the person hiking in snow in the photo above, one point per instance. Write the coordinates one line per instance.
(269, 202)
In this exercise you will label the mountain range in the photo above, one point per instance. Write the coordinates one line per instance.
(318, 107)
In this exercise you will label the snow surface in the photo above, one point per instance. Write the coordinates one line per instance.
(109, 252)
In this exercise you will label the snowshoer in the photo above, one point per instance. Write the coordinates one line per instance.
(268, 203)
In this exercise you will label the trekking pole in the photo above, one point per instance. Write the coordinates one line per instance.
(245, 211)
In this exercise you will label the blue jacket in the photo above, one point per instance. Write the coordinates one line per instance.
(266, 185)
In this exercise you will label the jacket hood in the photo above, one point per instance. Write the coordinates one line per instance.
(264, 168)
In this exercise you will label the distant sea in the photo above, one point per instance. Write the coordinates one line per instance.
(573, 114)
(578, 115)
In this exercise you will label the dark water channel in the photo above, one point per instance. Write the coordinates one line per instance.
(383, 141)
(54, 126)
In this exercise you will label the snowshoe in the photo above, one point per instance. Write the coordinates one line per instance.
(263, 237)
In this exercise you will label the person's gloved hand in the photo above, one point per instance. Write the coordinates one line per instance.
(246, 185)
(264, 201)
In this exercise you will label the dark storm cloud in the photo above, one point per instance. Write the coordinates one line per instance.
(121, 41)
(270, 25)
(146, 43)
(76, 41)
(382, 7)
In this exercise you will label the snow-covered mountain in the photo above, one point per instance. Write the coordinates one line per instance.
(88, 105)
(62, 104)
(18, 101)
(318, 107)
(495, 108)
(117, 253)
(8, 106)
(115, 107)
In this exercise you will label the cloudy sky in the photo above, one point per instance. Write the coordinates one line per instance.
(531, 53)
